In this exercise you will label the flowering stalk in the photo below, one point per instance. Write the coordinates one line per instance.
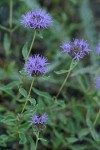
(10, 19)
(27, 98)
(38, 121)
(64, 82)
(10, 15)
(37, 139)
(31, 44)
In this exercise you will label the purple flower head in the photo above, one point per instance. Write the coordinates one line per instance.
(76, 49)
(36, 19)
(97, 83)
(36, 65)
(39, 121)
(43, 118)
(98, 49)
(66, 47)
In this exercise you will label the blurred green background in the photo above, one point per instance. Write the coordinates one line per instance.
(70, 123)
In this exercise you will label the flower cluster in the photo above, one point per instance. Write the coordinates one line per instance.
(36, 65)
(97, 83)
(98, 49)
(76, 49)
(36, 19)
(39, 121)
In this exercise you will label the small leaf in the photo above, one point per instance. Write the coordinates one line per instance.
(23, 92)
(23, 73)
(84, 132)
(73, 65)
(44, 94)
(41, 139)
(61, 71)
(91, 127)
(23, 139)
(39, 34)
(83, 71)
(72, 140)
(3, 140)
(45, 77)
(95, 135)
(32, 143)
(8, 119)
(6, 43)
(25, 50)
(32, 101)
(12, 84)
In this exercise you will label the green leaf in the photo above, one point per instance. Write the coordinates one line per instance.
(2, 88)
(32, 101)
(6, 43)
(3, 140)
(25, 50)
(43, 94)
(32, 143)
(23, 92)
(72, 140)
(84, 132)
(22, 137)
(93, 132)
(61, 71)
(23, 73)
(73, 65)
(95, 135)
(9, 119)
(83, 71)
(41, 139)
(45, 77)
(12, 84)
(4, 28)
(39, 34)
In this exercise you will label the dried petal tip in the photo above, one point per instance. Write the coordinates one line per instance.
(98, 49)
(97, 83)
(76, 49)
(36, 65)
(36, 19)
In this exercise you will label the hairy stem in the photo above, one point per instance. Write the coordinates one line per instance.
(37, 139)
(27, 98)
(64, 82)
(10, 14)
(32, 44)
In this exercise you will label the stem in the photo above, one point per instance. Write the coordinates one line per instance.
(10, 15)
(96, 118)
(10, 20)
(15, 28)
(27, 98)
(32, 43)
(4, 28)
(64, 80)
(37, 139)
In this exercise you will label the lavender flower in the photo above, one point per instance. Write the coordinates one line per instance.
(76, 49)
(98, 49)
(39, 121)
(36, 119)
(36, 65)
(97, 83)
(36, 19)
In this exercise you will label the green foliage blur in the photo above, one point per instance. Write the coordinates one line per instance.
(70, 124)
